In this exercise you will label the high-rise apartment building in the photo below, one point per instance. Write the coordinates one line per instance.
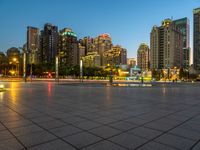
(196, 39)
(103, 43)
(116, 56)
(49, 43)
(92, 59)
(123, 57)
(68, 47)
(143, 57)
(88, 43)
(82, 50)
(184, 27)
(166, 46)
(33, 44)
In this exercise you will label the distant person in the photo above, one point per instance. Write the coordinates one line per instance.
(142, 80)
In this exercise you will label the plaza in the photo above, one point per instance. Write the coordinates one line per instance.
(52, 116)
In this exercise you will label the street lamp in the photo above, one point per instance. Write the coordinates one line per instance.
(14, 63)
(16, 66)
(81, 70)
(24, 66)
(57, 69)
(14, 59)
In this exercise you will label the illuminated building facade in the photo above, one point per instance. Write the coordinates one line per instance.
(196, 38)
(131, 62)
(68, 47)
(33, 44)
(49, 44)
(82, 51)
(103, 43)
(88, 43)
(92, 59)
(116, 56)
(166, 46)
(143, 57)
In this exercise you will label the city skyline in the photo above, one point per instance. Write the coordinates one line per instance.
(92, 19)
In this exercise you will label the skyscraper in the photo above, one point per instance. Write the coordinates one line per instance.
(33, 42)
(88, 43)
(196, 39)
(82, 50)
(103, 43)
(68, 47)
(166, 46)
(184, 26)
(116, 56)
(143, 57)
(123, 56)
(49, 43)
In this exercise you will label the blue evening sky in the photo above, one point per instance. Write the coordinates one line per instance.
(129, 22)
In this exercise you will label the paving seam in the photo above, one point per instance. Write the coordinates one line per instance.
(14, 135)
(167, 132)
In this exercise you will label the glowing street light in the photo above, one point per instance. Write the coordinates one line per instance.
(14, 59)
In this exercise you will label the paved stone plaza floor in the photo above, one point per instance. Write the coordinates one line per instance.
(48, 116)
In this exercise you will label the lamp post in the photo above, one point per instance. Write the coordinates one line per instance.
(81, 70)
(57, 69)
(24, 66)
(30, 61)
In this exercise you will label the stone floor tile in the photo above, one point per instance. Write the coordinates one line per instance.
(145, 132)
(129, 141)
(82, 139)
(105, 120)
(136, 121)
(52, 124)
(159, 126)
(53, 145)
(105, 131)
(42, 119)
(190, 134)
(73, 120)
(87, 125)
(122, 125)
(175, 141)
(18, 123)
(104, 145)
(26, 130)
(36, 138)
(155, 146)
(5, 135)
(196, 147)
(10, 144)
(65, 131)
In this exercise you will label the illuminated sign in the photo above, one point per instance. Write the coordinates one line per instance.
(105, 35)
(166, 22)
(69, 34)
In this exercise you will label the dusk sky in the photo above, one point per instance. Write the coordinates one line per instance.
(129, 22)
